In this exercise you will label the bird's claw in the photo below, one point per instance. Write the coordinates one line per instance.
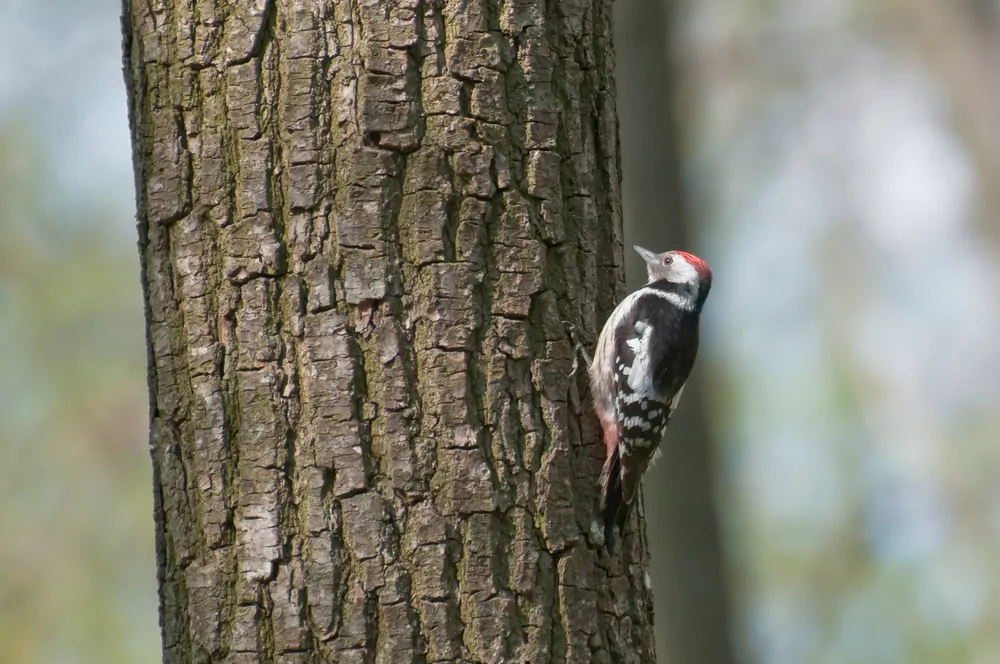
(578, 349)
(576, 365)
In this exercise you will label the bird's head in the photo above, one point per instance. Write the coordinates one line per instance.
(682, 270)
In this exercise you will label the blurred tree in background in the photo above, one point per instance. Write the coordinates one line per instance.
(841, 156)
(687, 566)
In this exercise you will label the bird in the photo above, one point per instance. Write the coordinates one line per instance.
(644, 355)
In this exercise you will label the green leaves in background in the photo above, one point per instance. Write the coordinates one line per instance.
(77, 569)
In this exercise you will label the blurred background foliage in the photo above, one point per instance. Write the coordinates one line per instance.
(841, 162)
(840, 158)
(77, 568)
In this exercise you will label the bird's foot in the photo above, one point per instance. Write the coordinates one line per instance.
(578, 349)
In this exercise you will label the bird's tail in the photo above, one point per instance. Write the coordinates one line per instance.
(614, 509)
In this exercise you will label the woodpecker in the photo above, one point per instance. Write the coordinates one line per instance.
(644, 356)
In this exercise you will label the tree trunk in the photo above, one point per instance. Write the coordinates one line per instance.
(362, 226)
(687, 569)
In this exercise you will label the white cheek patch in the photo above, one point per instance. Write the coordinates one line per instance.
(682, 272)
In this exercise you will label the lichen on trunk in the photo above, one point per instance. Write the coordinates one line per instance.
(362, 227)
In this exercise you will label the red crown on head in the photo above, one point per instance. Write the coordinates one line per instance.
(698, 264)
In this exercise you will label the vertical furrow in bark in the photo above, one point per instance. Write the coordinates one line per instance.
(362, 226)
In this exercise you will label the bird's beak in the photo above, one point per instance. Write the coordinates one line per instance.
(647, 255)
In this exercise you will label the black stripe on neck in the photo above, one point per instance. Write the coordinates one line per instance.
(685, 290)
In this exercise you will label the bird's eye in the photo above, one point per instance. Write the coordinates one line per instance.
(667, 260)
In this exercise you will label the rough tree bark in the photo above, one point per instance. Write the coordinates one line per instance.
(688, 568)
(362, 225)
